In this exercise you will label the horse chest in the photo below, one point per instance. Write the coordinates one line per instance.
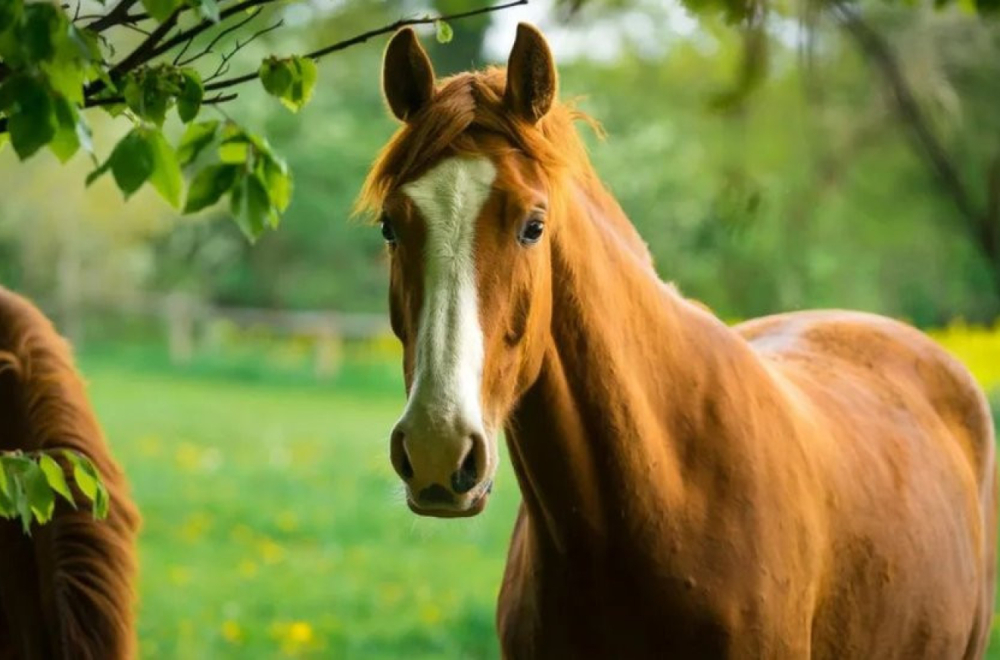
(579, 605)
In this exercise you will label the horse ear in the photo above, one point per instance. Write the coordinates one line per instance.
(407, 75)
(531, 75)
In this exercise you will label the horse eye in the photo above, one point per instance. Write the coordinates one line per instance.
(388, 233)
(531, 230)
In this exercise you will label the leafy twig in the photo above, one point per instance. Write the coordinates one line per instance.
(211, 44)
(154, 45)
(365, 36)
(223, 67)
(147, 50)
(198, 28)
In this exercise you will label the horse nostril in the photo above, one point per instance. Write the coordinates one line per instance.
(399, 456)
(406, 468)
(467, 475)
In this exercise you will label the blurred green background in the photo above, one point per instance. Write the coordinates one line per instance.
(249, 390)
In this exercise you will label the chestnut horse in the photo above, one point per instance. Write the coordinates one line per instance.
(809, 485)
(66, 591)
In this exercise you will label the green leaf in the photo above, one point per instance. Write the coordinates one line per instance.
(66, 78)
(99, 172)
(166, 176)
(209, 185)
(83, 136)
(189, 99)
(132, 161)
(161, 9)
(10, 13)
(4, 137)
(29, 131)
(133, 94)
(233, 132)
(30, 114)
(84, 474)
(291, 79)
(148, 91)
(66, 140)
(276, 76)
(209, 9)
(7, 506)
(101, 502)
(443, 32)
(4, 483)
(197, 136)
(39, 494)
(303, 83)
(86, 44)
(234, 152)
(44, 25)
(56, 478)
(89, 482)
(278, 183)
(21, 502)
(250, 206)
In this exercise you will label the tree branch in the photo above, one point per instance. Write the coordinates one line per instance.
(211, 44)
(114, 17)
(983, 224)
(147, 49)
(197, 29)
(880, 54)
(212, 100)
(223, 67)
(365, 36)
(151, 47)
(315, 55)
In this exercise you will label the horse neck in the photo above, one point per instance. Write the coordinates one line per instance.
(598, 435)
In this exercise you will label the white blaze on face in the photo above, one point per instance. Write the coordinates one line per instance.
(449, 351)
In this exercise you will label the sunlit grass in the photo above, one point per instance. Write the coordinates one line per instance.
(273, 525)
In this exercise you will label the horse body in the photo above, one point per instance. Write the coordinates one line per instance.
(67, 590)
(816, 484)
(808, 485)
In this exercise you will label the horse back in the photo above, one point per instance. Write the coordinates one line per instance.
(884, 362)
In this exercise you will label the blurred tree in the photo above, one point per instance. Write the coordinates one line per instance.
(973, 190)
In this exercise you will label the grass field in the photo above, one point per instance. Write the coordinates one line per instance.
(274, 526)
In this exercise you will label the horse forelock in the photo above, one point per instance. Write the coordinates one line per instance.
(465, 108)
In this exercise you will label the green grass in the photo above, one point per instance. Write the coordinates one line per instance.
(274, 525)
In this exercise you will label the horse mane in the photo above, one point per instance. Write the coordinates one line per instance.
(467, 105)
(67, 590)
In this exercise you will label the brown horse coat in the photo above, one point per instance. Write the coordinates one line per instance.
(66, 591)
(808, 485)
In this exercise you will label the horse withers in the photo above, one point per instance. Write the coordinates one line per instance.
(809, 485)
